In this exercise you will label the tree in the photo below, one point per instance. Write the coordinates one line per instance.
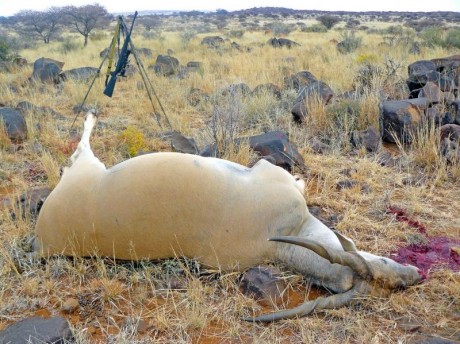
(85, 18)
(40, 24)
(328, 20)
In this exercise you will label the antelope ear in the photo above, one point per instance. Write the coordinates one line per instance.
(347, 244)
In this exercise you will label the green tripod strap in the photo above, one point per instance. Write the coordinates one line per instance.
(111, 53)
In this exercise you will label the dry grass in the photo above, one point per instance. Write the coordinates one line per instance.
(207, 306)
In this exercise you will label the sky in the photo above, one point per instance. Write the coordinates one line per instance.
(10, 7)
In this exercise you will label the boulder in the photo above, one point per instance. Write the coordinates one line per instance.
(14, 124)
(269, 88)
(37, 330)
(213, 41)
(369, 139)
(79, 74)
(437, 115)
(454, 109)
(180, 143)
(432, 93)
(47, 70)
(282, 42)
(399, 120)
(27, 107)
(317, 90)
(240, 89)
(299, 80)
(166, 65)
(31, 201)
(273, 146)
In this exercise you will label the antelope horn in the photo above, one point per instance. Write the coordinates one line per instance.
(350, 259)
(330, 302)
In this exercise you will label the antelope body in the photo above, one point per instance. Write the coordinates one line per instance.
(163, 205)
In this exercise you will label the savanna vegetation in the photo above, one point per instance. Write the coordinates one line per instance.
(351, 189)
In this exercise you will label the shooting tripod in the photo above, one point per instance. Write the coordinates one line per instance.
(120, 69)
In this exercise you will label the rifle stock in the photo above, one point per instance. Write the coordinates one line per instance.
(121, 63)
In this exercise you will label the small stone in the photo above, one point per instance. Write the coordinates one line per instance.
(70, 305)
(409, 325)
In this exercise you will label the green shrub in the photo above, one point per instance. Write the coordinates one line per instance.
(98, 36)
(350, 42)
(69, 45)
(315, 28)
(5, 53)
(453, 38)
(281, 28)
(433, 36)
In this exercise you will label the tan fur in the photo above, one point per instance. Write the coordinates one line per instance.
(211, 209)
(163, 205)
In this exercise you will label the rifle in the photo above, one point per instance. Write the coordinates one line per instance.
(121, 63)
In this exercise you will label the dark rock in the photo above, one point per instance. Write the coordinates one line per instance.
(78, 74)
(235, 45)
(47, 70)
(273, 146)
(450, 142)
(346, 184)
(408, 324)
(180, 143)
(429, 339)
(317, 90)
(454, 110)
(196, 96)
(369, 138)
(398, 121)
(32, 201)
(37, 330)
(420, 103)
(282, 42)
(437, 115)
(432, 93)
(14, 124)
(269, 88)
(195, 64)
(451, 131)
(166, 65)
(145, 51)
(240, 89)
(213, 41)
(299, 80)
(104, 52)
(319, 147)
(263, 283)
(26, 107)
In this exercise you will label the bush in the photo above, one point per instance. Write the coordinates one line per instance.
(328, 21)
(453, 38)
(350, 42)
(185, 37)
(98, 36)
(133, 140)
(69, 45)
(315, 28)
(281, 29)
(5, 53)
(433, 36)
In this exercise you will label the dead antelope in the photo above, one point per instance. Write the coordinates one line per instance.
(218, 212)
